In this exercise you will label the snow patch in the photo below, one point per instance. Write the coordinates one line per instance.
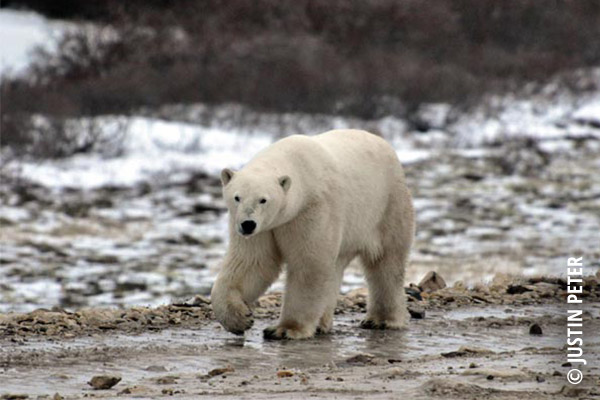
(21, 33)
(589, 113)
(152, 147)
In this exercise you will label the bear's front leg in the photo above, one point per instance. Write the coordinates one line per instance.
(230, 309)
(236, 289)
(307, 293)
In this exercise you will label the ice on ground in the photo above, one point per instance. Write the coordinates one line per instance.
(589, 113)
(151, 147)
(536, 117)
(168, 150)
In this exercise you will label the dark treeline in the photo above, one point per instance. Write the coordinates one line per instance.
(363, 58)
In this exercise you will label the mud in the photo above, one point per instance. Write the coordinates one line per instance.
(472, 343)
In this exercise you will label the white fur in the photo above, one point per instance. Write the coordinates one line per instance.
(329, 198)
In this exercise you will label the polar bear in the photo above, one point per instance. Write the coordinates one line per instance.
(314, 203)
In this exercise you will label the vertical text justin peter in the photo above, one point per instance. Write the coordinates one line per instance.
(575, 318)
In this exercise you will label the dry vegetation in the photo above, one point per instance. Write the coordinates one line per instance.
(365, 59)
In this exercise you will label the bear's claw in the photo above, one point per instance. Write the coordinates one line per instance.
(271, 334)
(321, 331)
(370, 324)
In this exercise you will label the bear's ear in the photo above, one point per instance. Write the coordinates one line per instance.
(285, 182)
(226, 176)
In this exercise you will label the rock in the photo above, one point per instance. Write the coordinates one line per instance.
(357, 297)
(431, 282)
(46, 248)
(14, 396)
(57, 396)
(156, 368)
(199, 208)
(466, 350)
(102, 382)
(270, 301)
(167, 380)
(416, 312)
(284, 373)
(414, 292)
(540, 379)
(103, 259)
(474, 350)
(535, 329)
(452, 354)
(517, 289)
(137, 390)
(196, 301)
(220, 371)
(362, 358)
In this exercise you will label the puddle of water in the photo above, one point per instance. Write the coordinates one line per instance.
(65, 366)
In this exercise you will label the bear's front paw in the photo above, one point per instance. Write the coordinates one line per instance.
(281, 333)
(236, 320)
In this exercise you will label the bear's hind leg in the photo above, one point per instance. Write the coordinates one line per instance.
(386, 305)
(385, 266)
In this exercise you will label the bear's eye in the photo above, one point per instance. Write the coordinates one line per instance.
(263, 201)
(237, 198)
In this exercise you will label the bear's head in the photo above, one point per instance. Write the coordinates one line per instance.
(254, 201)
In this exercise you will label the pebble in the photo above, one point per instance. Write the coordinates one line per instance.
(416, 313)
(432, 282)
(517, 289)
(156, 368)
(284, 373)
(362, 358)
(535, 329)
(103, 382)
(218, 371)
(167, 380)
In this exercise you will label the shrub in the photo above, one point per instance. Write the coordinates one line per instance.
(328, 56)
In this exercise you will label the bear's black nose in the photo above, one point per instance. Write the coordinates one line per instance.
(248, 227)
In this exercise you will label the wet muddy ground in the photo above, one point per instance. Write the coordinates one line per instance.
(471, 343)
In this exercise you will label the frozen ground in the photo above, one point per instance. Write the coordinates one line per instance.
(511, 186)
(148, 225)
